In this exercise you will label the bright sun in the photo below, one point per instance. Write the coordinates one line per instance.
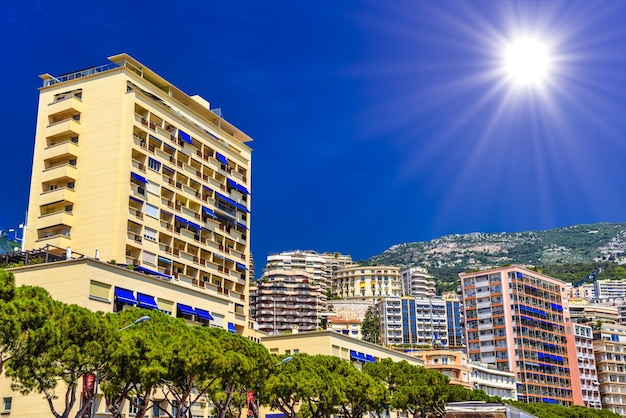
(527, 61)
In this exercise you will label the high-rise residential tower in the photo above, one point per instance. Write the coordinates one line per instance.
(516, 320)
(130, 169)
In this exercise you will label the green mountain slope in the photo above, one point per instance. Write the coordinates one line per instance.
(449, 255)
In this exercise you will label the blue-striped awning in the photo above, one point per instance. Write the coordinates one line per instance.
(185, 136)
(231, 327)
(209, 211)
(125, 296)
(204, 315)
(221, 158)
(152, 272)
(138, 177)
(186, 310)
(181, 220)
(146, 301)
(237, 186)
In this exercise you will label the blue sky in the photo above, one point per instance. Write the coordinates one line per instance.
(374, 123)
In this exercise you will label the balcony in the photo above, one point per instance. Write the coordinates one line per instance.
(61, 149)
(59, 240)
(64, 127)
(58, 218)
(58, 172)
(71, 103)
(57, 195)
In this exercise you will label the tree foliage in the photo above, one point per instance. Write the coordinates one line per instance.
(370, 327)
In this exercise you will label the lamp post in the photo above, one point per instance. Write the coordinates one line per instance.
(97, 378)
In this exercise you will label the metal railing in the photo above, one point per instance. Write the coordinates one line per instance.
(79, 74)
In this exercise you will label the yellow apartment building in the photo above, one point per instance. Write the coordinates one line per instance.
(129, 169)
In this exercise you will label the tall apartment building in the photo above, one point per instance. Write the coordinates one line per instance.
(320, 266)
(582, 345)
(130, 169)
(287, 301)
(609, 346)
(367, 282)
(515, 319)
(417, 282)
(413, 321)
(454, 317)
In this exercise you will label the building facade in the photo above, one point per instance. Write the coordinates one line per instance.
(587, 373)
(130, 169)
(454, 317)
(492, 381)
(453, 364)
(515, 320)
(285, 301)
(413, 321)
(609, 346)
(367, 282)
(417, 282)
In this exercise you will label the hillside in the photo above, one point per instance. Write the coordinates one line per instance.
(449, 255)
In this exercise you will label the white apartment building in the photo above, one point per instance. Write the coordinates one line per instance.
(417, 282)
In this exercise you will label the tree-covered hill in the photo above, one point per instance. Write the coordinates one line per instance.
(569, 253)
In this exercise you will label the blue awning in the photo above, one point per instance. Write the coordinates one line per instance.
(193, 225)
(185, 136)
(138, 177)
(204, 315)
(207, 188)
(186, 310)
(345, 331)
(226, 199)
(221, 158)
(136, 200)
(242, 225)
(165, 260)
(181, 220)
(355, 356)
(164, 212)
(231, 327)
(241, 207)
(125, 296)
(238, 186)
(146, 301)
(241, 266)
(370, 358)
(155, 138)
(209, 211)
(148, 271)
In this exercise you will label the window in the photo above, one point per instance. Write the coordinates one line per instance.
(133, 408)
(99, 291)
(6, 404)
(152, 187)
(150, 234)
(152, 210)
(154, 164)
(149, 258)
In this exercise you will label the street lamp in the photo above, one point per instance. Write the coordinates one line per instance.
(138, 321)
(285, 360)
(97, 378)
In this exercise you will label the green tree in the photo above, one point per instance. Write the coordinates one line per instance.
(370, 328)
(243, 367)
(289, 383)
(55, 346)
